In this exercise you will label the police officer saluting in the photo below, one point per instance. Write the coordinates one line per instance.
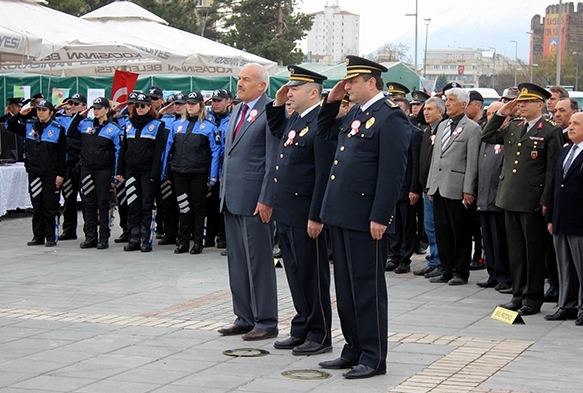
(45, 146)
(531, 144)
(359, 204)
(100, 147)
(302, 169)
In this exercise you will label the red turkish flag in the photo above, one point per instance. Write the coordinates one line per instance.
(123, 84)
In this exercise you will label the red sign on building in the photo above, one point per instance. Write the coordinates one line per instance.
(461, 69)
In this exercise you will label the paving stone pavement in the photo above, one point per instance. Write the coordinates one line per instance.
(89, 321)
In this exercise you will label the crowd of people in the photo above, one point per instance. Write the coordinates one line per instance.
(353, 175)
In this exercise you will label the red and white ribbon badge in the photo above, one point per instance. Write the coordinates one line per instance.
(252, 116)
(355, 125)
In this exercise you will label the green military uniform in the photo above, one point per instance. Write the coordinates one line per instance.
(529, 160)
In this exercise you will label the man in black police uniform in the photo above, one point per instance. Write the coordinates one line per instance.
(359, 204)
(8, 140)
(302, 169)
(531, 144)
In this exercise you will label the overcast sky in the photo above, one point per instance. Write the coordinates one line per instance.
(385, 21)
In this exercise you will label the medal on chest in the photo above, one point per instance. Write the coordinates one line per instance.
(252, 116)
(290, 138)
(354, 128)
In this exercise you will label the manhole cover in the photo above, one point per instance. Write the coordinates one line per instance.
(246, 352)
(306, 375)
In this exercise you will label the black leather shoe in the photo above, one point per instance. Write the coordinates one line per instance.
(561, 315)
(475, 265)
(363, 371)
(146, 247)
(425, 270)
(221, 243)
(68, 236)
(503, 288)
(102, 245)
(288, 343)
(438, 271)
(457, 281)
(337, 364)
(50, 243)
(579, 321)
(159, 235)
(404, 267)
(440, 279)
(209, 243)
(528, 310)
(167, 240)
(551, 298)
(181, 249)
(257, 334)
(391, 265)
(510, 306)
(224, 253)
(36, 242)
(427, 257)
(123, 238)
(421, 251)
(233, 330)
(487, 284)
(131, 246)
(88, 244)
(196, 249)
(311, 348)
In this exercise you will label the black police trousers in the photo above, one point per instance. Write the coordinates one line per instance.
(141, 193)
(191, 189)
(170, 208)
(215, 220)
(44, 196)
(96, 194)
(70, 190)
(122, 206)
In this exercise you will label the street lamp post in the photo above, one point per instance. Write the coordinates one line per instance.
(493, 67)
(577, 71)
(416, 15)
(427, 22)
(532, 71)
(516, 76)
(515, 59)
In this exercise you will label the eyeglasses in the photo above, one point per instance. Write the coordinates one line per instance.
(74, 103)
(140, 105)
(155, 98)
(179, 103)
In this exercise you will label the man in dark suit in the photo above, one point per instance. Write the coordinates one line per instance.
(359, 204)
(531, 144)
(302, 169)
(565, 222)
(247, 199)
(452, 184)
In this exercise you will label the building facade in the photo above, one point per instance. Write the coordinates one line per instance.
(465, 65)
(334, 34)
(544, 33)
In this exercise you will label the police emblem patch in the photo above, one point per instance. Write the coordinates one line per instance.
(179, 129)
(369, 123)
(109, 130)
(151, 128)
(304, 131)
(51, 133)
(202, 126)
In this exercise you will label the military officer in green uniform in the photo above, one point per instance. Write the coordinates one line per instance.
(531, 144)
(397, 90)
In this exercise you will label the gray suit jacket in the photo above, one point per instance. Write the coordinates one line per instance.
(455, 170)
(249, 162)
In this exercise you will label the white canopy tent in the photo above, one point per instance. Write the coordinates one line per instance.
(18, 44)
(205, 57)
(68, 41)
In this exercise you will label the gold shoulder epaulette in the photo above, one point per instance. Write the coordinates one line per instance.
(518, 119)
(551, 122)
(391, 103)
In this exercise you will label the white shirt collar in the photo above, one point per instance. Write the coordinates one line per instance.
(379, 96)
(251, 104)
(304, 113)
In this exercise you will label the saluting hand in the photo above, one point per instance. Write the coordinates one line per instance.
(281, 96)
(377, 230)
(84, 113)
(508, 108)
(26, 111)
(338, 92)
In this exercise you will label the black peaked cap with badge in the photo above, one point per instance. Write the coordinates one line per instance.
(143, 99)
(132, 97)
(45, 104)
(530, 91)
(397, 88)
(78, 98)
(100, 102)
(300, 76)
(194, 97)
(155, 92)
(356, 66)
(16, 101)
(419, 97)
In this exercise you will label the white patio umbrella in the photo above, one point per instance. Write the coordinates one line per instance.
(69, 41)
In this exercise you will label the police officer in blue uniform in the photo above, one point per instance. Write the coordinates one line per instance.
(220, 115)
(100, 145)
(195, 167)
(359, 204)
(139, 167)
(45, 161)
(301, 172)
(122, 118)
